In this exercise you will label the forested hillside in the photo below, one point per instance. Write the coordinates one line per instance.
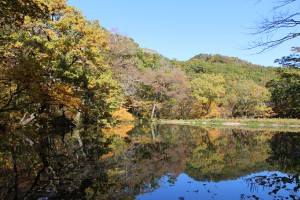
(230, 67)
(56, 64)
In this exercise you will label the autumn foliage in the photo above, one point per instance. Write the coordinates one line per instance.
(123, 115)
(55, 63)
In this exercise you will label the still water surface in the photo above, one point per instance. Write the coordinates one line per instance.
(144, 162)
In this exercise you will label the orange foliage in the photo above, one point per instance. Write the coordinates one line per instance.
(214, 134)
(108, 155)
(64, 95)
(197, 111)
(123, 115)
(120, 130)
(214, 111)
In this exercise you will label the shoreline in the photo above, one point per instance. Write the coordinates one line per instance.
(260, 123)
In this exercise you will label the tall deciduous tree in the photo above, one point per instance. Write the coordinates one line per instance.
(55, 65)
(122, 57)
(246, 98)
(208, 88)
(285, 92)
(162, 86)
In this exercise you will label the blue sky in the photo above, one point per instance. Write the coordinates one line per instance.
(182, 29)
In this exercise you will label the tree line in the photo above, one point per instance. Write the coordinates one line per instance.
(56, 64)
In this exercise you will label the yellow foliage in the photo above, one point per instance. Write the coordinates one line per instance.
(120, 130)
(18, 44)
(198, 110)
(214, 134)
(64, 95)
(89, 192)
(214, 111)
(123, 115)
(6, 161)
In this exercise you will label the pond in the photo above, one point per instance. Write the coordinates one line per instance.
(149, 162)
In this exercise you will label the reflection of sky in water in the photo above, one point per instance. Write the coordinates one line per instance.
(184, 187)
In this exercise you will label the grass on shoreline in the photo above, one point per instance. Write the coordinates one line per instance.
(258, 123)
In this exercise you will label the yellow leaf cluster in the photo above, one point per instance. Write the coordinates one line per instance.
(214, 134)
(120, 130)
(123, 115)
(198, 110)
(64, 95)
(214, 111)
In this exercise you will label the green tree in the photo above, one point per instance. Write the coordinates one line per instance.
(285, 92)
(291, 61)
(208, 88)
(148, 58)
(246, 98)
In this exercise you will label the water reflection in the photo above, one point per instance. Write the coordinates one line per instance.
(185, 187)
(148, 162)
(286, 151)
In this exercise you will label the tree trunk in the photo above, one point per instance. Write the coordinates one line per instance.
(207, 107)
(153, 127)
(16, 184)
(153, 111)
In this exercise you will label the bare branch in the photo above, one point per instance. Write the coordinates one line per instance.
(271, 28)
(270, 44)
(24, 122)
(283, 3)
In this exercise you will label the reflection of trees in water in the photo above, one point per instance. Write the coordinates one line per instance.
(288, 184)
(35, 163)
(284, 153)
(147, 160)
(236, 153)
(68, 165)
(231, 154)
(89, 164)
